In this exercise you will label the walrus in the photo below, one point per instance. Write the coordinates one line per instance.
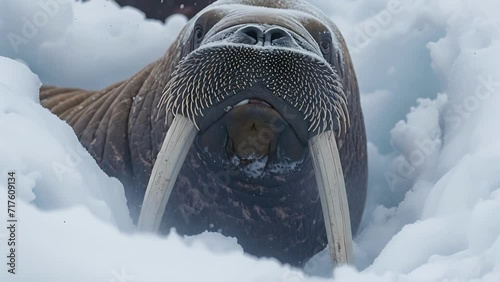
(250, 125)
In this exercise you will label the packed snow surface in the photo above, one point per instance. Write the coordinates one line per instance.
(429, 77)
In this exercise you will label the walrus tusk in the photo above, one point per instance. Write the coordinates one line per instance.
(180, 137)
(332, 192)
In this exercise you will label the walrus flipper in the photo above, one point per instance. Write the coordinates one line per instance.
(107, 123)
(99, 123)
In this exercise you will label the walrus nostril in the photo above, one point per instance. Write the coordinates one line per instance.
(277, 34)
(250, 35)
(277, 37)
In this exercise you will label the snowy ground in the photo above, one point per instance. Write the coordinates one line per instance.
(428, 71)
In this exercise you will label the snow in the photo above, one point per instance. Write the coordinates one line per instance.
(428, 73)
(55, 170)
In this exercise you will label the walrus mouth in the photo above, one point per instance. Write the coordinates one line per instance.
(253, 101)
(213, 80)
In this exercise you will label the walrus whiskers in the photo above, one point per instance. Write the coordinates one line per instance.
(191, 73)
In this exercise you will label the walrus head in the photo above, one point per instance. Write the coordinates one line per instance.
(262, 89)
(261, 85)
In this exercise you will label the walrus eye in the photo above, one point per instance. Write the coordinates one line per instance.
(326, 46)
(198, 36)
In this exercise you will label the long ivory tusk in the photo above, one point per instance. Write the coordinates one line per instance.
(180, 137)
(331, 186)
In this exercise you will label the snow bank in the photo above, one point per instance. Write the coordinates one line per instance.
(54, 169)
(428, 72)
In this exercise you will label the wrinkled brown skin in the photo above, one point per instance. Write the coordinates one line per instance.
(119, 127)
